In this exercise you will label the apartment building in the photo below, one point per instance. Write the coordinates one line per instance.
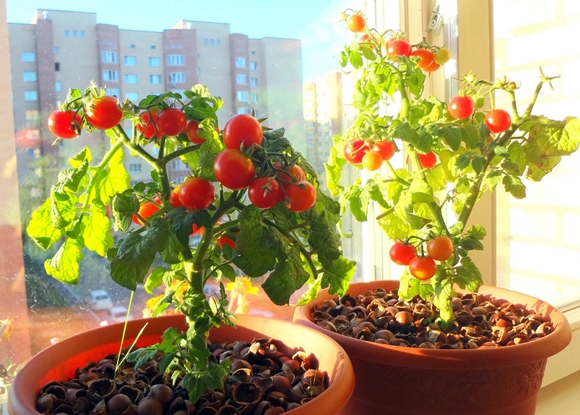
(59, 50)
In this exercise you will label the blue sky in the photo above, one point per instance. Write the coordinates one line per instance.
(315, 22)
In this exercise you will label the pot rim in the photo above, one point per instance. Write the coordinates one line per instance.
(450, 359)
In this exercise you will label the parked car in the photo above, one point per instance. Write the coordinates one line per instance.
(115, 315)
(100, 300)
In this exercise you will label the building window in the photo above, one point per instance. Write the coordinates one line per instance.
(130, 60)
(255, 98)
(28, 57)
(310, 124)
(135, 167)
(241, 79)
(218, 42)
(57, 86)
(211, 41)
(256, 114)
(132, 96)
(132, 46)
(75, 33)
(243, 96)
(30, 96)
(155, 79)
(152, 46)
(56, 49)
(253, 66)
(154, 61)
(240, 62)
(130, 78)
(109, 75)
(109, 57)
(57, 66)
(175, 60)
(254, 82)
(32, 115)
(67, 33)
(243, 110)
(82, 33)
(112, 92)
(205, 41)
(310, 135)
(29, 76)
(176, 78)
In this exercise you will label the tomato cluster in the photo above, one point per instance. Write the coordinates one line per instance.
(423, 267)
(370, 154)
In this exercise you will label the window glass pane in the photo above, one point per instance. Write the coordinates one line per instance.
(154, 61)
(29, 76)
(130, 78)
(130, 60)
(28, 56)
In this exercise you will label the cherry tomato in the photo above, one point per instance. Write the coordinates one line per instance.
(295, 174)
(233, 169)
(191, 132)
(147, 127)
(104, 113)
(146, 210)
(428, 160)
(422, 268)
(369, 40)
(498, 121)
(354, 150)
(195, 229)
(65, 124)
(372, 161)
(225, 240)
(300, 196)
(399, 47)
(440, 248)
(425, 57)
(432, 67)
(242, 129)
(174, 198)
(170, 121)
(196, 193)
(402, 253)
(265, 192)
(442, 56)
(385, 148)
(356, 23)
(461, 107)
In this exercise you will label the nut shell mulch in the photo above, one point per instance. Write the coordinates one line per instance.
(262, 381)
(480, 321)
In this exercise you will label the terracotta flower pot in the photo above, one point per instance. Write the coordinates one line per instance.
(412, 381)
(58, 362)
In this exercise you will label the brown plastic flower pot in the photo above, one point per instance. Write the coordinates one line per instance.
(393, 380)
(58, 362)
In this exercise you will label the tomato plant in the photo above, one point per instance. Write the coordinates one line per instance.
(104, 113)
(428, 160)
(265, 192)
(174, 198)
(196, 193)
(300, 196)
(442, 56)
(498, 121)
(191, 132)
(356, 23)
(368, 40)
(461, 107)
(242, 129)
(399, 47)
(432, 67)
(440, 248)
(386, 149)
(422, 267)
(148, 127)
(294, 174)
(354, 150)
(425, 57)
(226, 240)
(402, 253)
(146, 210)
(65, 124)
(233, 169)
(171, 121)
(372, 161)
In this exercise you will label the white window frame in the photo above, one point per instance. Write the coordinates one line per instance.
(254, 82)
(110, 75)
(176, 78)
(240, 62)
(109, 56)
(243, 96)
(241, 79)
(175, 60)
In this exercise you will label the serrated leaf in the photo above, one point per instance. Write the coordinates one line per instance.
(124, 206)
(409, 286)
(154, 280)
(515, 186)
(287, 277)
(96, 231)
(453, 135)
(468, 276)
(64, 265)
(41, 229)
(337, 275)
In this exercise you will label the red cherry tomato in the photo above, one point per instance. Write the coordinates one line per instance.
(402, 253)
(354, 150)
(425, 57)
(174, 198)
(386, 149)
(295, 174)
(432, 67)
(233, 169)
(147, 127)
(65, 124)
(265, 192)
(225, 240)
(428, 160)
(104, 113)
(300, 196)
(191, 132)
(440, 248)
(196, 193)
(498, 121)
(422, 268)
(170, 121)
(356, 23)
(146, 210)
(399, 47)
(242, 129)
(461, 107)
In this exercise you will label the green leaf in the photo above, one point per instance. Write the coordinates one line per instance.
(468, 276)
(515, 186)
(452, 134)
(154, 280)
(493, 178)
(287, 277)
(333, 168)
(124, 206)
(96, 231)
(337, 275)
(64, 266)
(443, 290)
(405, 132)
(420, 190)
(358, 202)
(368, 53)
(41, 229)
(471, 136)
(409, 286)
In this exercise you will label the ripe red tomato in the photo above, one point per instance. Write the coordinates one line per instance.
(432, 67)
(174, 198)
(399, 47)
(242, 129)
(372, 161)
(65, 124)
(170, 121)
(225, 240)
(265, 192)
(196, 193)
(233, 169)
(104, 113)
(295, 174)
(461, 107)
(300, 196)
(369, 40)
(356, 23)
(428, 160)
(442, 56)
(385, 148)
(402, 253)
(498, 121)
(422, 268)
(191, 132)
(146, 210)
(354, 150)
(440, 248)
(425, 57)
(148, 127)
